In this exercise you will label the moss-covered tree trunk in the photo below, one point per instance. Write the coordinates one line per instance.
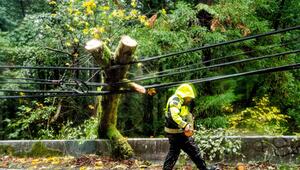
(110, 103)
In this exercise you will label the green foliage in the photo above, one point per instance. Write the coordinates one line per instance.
(214, 122)
(214, 105)
(260, 119)
(39, 33)
(182, 16)
(32, 117)
(13, 11)
(214, 145)
(87, 130)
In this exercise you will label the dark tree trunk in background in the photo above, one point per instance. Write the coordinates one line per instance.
(208, 2)
(276, 23)
(148, 116)
(159, 114)
(22, 6)
(207, 55)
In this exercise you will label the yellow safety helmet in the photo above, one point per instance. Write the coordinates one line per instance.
(185, 90)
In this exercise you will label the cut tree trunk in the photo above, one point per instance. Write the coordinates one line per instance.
(110, 103)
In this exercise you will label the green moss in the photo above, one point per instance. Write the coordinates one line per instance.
(120, 147)
(106, 55)
(7, 150)
(40, 150)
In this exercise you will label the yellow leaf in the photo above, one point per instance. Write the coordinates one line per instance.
(105, 8)
(52, 3)
(35, 161)
(91, 107)
(83, 168)
(68, 44)
(133, 12)
(85, 31)
(163, 11)
(76, 40)
(133, 3)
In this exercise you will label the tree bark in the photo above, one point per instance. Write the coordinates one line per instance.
(278, 15)
(22, 6)
(58, 111)
(110, 103)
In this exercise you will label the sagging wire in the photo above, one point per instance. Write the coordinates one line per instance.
(160, 56)
(168, 74)
(197, 81)
(49, 68)
(168, 85)
(54, 82)
(74, 94)
(147, 59)
(214, 66)
(215, 59)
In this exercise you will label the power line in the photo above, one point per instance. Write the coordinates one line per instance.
(43, 83)
(216, 45)
(29, 79)
(145, 59)
(139, 78)
(197, 81)
(168, 85)
(53, 83)
(66, 95)
(216, 65)
(207, 61)
(163, 75)
(35, 91)
(50, 68)
(54, 91)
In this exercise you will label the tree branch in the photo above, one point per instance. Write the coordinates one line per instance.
(59, 51)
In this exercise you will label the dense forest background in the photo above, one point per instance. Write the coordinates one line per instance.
(54, 33)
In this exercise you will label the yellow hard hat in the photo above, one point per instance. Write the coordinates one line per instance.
(185, 90)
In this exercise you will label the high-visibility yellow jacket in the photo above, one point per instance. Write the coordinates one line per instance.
(177, 115)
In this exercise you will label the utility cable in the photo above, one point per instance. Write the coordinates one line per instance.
(28, 79)
(147, 76)
(146, 59)
(168, 85)
(216, 45)
(197, 81)
(50, 68)
(208, 61)
(48, 91)
(164, 75)
(53, 83)
(216, 65)
(74, 94)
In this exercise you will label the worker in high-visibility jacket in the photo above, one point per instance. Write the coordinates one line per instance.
(179, 128)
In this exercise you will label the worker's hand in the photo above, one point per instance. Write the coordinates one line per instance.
(151, 92)
(188, 131)
(187, 127)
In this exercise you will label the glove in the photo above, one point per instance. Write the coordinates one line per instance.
(188, 131)
(151, 92)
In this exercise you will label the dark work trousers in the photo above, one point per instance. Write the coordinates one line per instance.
(188, 145)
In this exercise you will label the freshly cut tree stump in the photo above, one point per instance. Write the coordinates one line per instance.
(110, 103)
